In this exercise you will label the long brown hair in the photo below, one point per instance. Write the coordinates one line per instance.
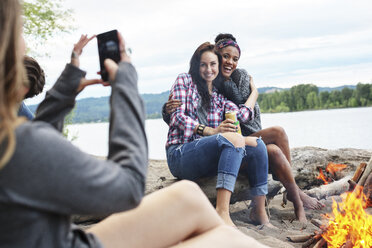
(12, 75)
(194, 71)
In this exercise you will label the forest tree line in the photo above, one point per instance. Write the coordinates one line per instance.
(308, 97)
(297, 98)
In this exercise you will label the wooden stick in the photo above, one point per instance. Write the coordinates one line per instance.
(366, 173)
(352, 184)
(317, 223)
(359, 171)
(299, 238)
(311, 241)
(348, 244)
(336, 188)
(320, 243)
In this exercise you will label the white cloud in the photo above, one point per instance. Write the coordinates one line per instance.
(326, 42)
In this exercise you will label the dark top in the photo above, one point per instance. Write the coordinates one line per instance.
(237, 90)
(48, 179)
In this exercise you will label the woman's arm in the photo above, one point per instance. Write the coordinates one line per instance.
(60, 100)
(225, 126)
(231, 92)
(60, 178)
(252, 99)
(179, 118)
(169, 107)
(66, 180)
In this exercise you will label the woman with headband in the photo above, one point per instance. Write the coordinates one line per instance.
(237, 86)
(200, 144)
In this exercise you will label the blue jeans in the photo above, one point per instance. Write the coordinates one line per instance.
(215, 155)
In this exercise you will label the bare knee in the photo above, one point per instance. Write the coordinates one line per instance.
(236, 139)
(189, 194)
(273, 150)
(250, 141)
(276, 156)
(279, 133)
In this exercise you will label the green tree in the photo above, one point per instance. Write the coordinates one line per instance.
(299, 93)
(68, 121)
(324, 96)
(353, 102)
(346, 94)
(312, 100)
(43, 19)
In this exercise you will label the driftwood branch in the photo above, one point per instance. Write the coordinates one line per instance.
(311, 241)
(320, 243)
(242, 189)
(336, 188)
(317, 223)
(300, 238)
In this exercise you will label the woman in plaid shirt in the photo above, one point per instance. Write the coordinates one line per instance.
(201, 144)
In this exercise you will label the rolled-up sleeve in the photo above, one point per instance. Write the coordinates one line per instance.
(179, 117)
(244, 113)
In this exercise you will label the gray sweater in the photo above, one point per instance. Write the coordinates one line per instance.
(48, 179)
(237, 90)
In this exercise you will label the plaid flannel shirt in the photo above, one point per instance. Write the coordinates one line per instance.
(184, 120)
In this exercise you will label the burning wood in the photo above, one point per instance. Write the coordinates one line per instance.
(332, 187)
(349, 226)
(321, 243)
(359, 172)
(367, 171)
(331, 170)
(317, 223)
(350, 222)
(335, 188)
(312, 240)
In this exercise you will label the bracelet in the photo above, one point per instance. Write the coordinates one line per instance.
(74, 55)
(200, 129)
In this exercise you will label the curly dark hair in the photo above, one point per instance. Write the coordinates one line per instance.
(224, 36)
(195, 74)
(35, 75)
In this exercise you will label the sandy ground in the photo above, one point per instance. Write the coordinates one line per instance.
(281, 217)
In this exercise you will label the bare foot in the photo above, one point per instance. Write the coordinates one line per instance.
(310, 202)
(269, 225)
(293, 195)
(225, 215)
(259, 217)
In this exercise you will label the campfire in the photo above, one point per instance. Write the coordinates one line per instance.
(331, 170)
(349, 225)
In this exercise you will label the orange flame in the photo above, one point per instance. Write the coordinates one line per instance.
(350, 222)
(333, 168)
(321, 176)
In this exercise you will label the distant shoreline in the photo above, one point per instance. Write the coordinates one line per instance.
(309, 110)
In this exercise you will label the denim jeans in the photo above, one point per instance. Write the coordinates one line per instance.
(215, 155)
(255, 166)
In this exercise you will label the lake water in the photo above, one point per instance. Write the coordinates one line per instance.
(331, 129)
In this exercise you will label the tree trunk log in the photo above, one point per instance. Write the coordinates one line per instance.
(335, 188)
(366, 173)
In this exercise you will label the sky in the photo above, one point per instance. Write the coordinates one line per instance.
(283, 42)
